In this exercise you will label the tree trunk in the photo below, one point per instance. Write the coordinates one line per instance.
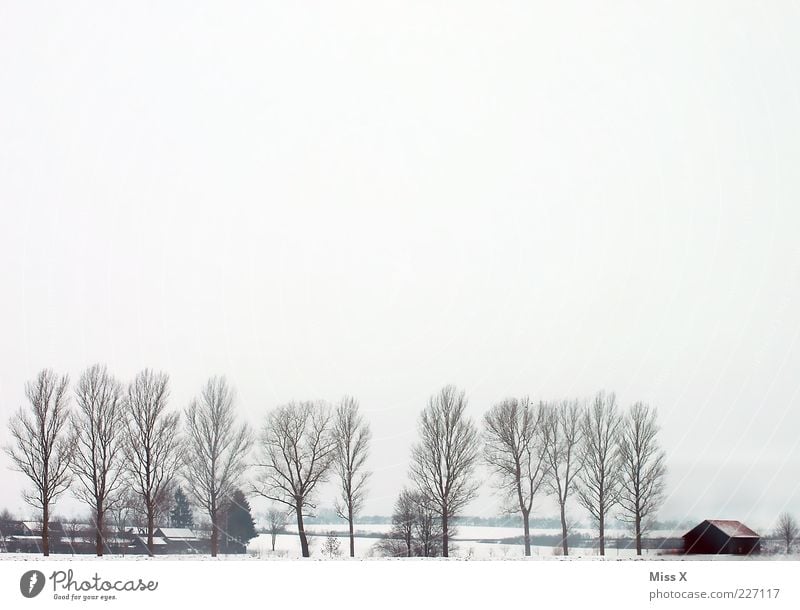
(214, 533)
(408, 544)
(98, 530)
(638, 535)
(274, 536)
(150, 527)
(46, 530)
(564, 543)
(352, 537)
(301, 531)
(445, 538)
(526, 531)
(602, 534)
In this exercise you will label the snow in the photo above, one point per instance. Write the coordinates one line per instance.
(478, 554)
(177, 533)
(465, 546)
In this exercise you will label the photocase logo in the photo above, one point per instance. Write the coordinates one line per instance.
(31, 583)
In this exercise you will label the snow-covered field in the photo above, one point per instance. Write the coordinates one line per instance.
(478, 553)
(288, 545)
(465, 546)
(470, 532)
(482, 552)
(465, 543)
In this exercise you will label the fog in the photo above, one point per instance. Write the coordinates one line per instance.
(379, 199)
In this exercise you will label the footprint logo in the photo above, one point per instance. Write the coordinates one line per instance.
(31, 583)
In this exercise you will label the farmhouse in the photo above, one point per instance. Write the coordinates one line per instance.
(79, 538)
(717, 536)
(181, 540)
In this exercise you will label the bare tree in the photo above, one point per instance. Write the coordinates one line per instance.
(404, 520)
(121, 515)
(332, 546)
(7, 528)
(297, 450)
(97, 438)
(73, 528)
(444, 460)
(352, 434)
(41, 449)
(598, 487)
(416, 529)
(276, 523)
(563, 434)
(514, 449)
(642, 469)
(787, 530)
(216, 449)
(162, 504)
(151, 444)
(428, 533)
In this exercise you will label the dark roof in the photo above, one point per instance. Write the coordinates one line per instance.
(732, 529)
(36, 526)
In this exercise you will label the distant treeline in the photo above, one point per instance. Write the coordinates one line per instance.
(330, 516)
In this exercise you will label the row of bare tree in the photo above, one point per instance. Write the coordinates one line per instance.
(606, 458)
(301, 444)
(122, 439)
(593, 451)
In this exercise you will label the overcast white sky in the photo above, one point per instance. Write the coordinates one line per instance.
(379, 198)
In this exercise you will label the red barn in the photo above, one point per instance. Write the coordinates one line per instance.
(719, 536)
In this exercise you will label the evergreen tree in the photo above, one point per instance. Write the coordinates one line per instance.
(240, 525)
(181, 514)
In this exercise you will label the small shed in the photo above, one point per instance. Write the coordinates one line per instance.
(721, 537)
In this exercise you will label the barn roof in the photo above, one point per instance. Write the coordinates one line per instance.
(732, 529)
(177, 533)
(36, 526)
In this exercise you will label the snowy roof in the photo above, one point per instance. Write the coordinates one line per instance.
(92, 540)
(732, 529)
(116, 540)
(79, 539)
(177, 533)
(157, 540)
(36, 526)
